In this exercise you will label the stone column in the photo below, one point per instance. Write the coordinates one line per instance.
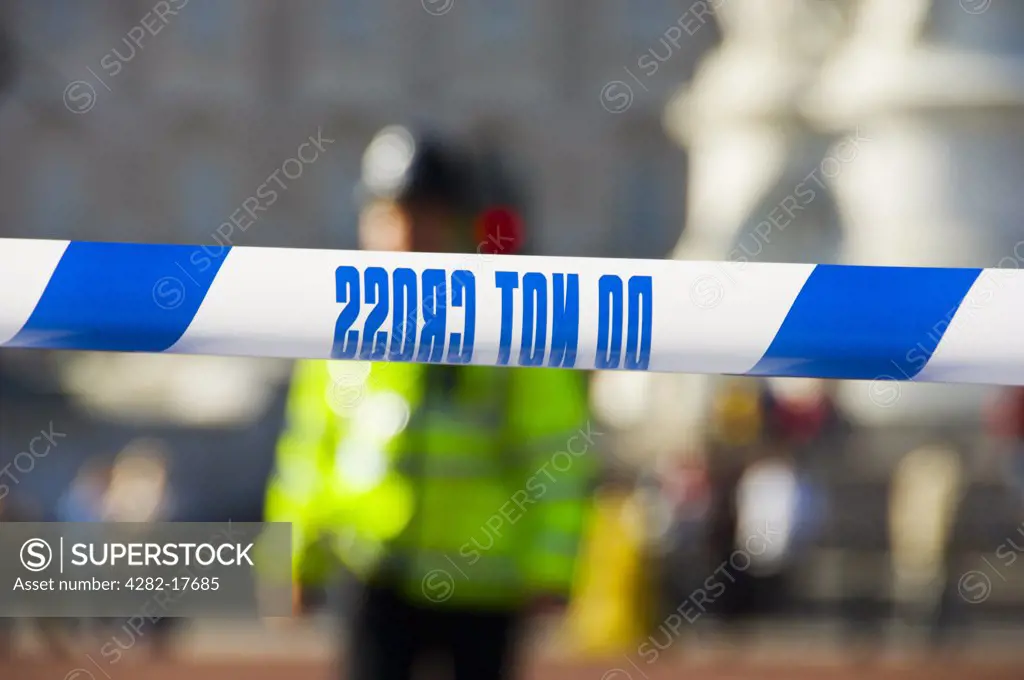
(938, 88)
(750, 148)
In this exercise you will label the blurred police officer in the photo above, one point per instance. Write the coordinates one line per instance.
(426, 479)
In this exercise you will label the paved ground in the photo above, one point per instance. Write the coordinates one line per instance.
(296, 653)
(738, 670)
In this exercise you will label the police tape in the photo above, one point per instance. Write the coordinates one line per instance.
(826, 321)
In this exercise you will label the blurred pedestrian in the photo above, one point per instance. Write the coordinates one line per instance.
(926, 495)
(738, 412)
(406, 469)
(53, 632)
(84, 498)
(140, 491)
(736, 438)
(807, 426)
(682, 550)
(767, 507)
(81, 502)
(807, 419)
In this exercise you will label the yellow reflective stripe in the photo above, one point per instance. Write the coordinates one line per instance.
(559, 563)
(437, 467)
(455, 513)
(444, 423)
(551, 573)
(563, 489)
(560, 543)
(561, 516)
(494, 568)
(463, 417)
(442, 445)
(365, 556)
(552, 443)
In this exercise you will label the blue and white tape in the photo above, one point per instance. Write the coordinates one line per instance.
(936, 325)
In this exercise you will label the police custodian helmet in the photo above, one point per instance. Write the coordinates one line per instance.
(415, 168)
(412, 168)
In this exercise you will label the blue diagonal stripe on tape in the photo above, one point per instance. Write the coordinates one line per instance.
(866, 322)
(121, 297)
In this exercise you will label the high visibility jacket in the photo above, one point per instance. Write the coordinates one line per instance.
(464, 485)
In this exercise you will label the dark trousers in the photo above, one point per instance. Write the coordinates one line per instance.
(391, 636)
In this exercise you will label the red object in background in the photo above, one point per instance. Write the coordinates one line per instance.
(800, 422)
(499, 231)
(1006, 416)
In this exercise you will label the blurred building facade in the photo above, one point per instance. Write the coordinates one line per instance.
(137, 125)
